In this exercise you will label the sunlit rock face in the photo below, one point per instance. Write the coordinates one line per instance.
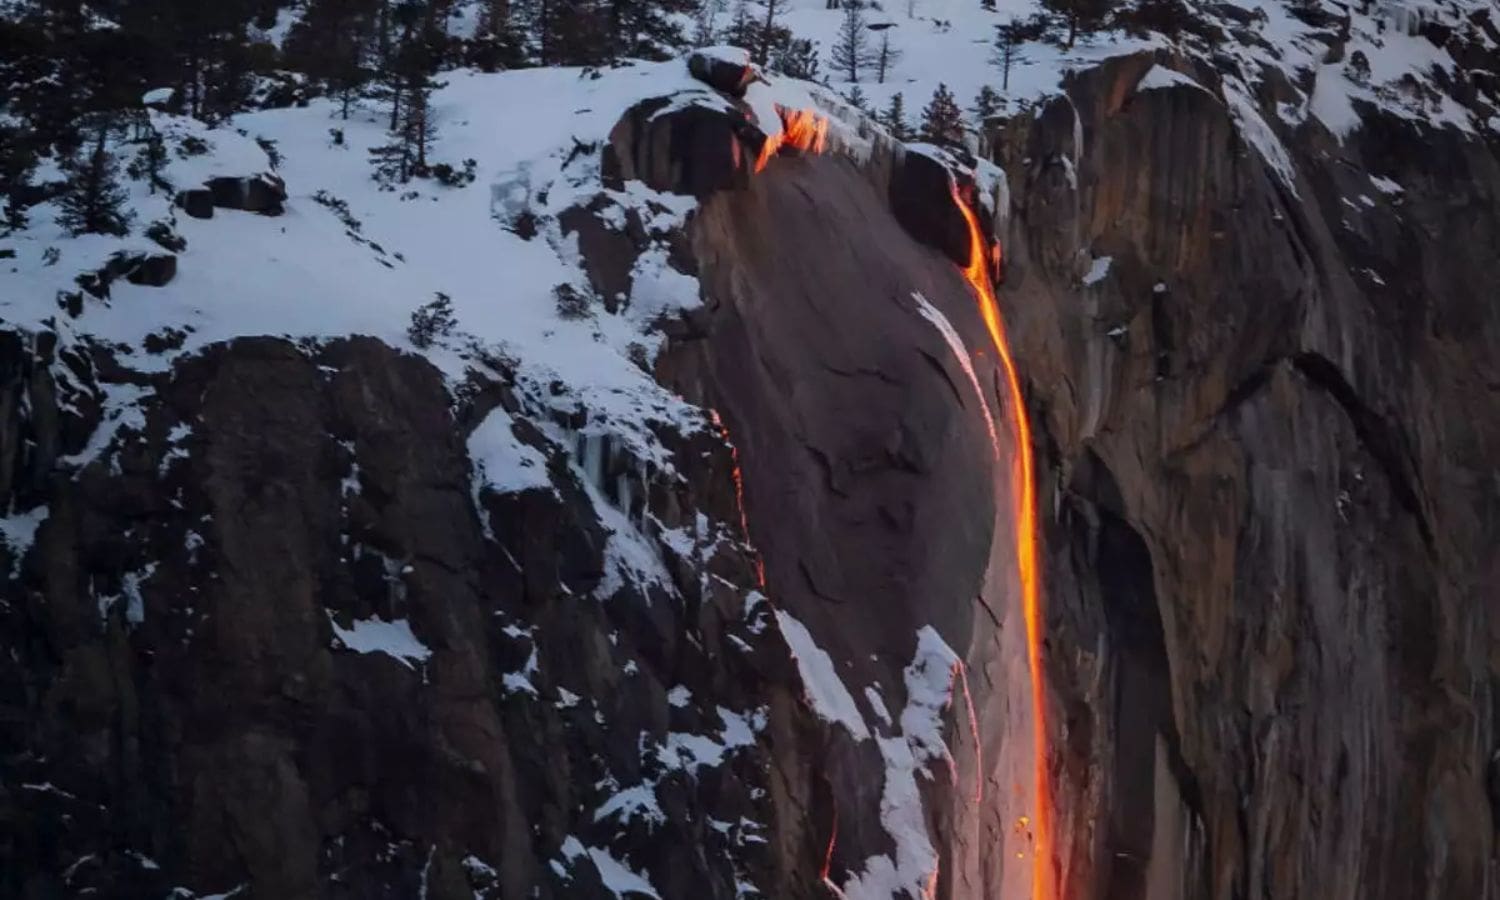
(1267, 461)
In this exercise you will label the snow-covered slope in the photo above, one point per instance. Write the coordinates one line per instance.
(952, 42)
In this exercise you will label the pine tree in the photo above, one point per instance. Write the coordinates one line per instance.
(765, 37)
(988, 104)
(17, 161)
(942, 119)
(852, 53)
(93, 201)
(857, 98)
(1010, 37)
(333, 43)
(1083, 17)
(498, 42)
(706, 23)
(886, 56)
(206, 45)
(894, 118)
(569, 32)
(742, 31)
(150, 160)
(415, 59)
(797, 59)
(771, 35)
(645, 29)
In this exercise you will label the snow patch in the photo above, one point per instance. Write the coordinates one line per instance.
(1097, 270)
(637, 802)
(961, 355)
(502, 462)
(1259, 135)
(375, 635)
(929, 688)
(692, 751)
(18, 531)
(825, 690)
(617, 877)
(877, 703)
(1162, 78)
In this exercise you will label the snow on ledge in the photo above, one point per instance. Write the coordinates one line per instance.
(929, 688)
(1253, 128)
(1162, 78)
(501, 461)
(825, 690)
(1098, 270)
(18, 532)
(621, 880)
(961, 354)
(375, 635)
(735, 56)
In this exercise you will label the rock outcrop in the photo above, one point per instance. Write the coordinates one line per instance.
(262, 637)
(1269, 456)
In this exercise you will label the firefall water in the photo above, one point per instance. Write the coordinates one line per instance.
(977, 272)
(808, 131)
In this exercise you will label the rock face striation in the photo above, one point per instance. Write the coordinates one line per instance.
(337, 664)
(1270, 434)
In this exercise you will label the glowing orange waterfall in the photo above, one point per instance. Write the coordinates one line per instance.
(807, 131)
(1028, 561)
(801, 129)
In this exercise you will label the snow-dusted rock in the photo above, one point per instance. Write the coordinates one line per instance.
(725, 69)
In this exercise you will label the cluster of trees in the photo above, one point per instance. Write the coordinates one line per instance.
(72, 72)
(942, 121)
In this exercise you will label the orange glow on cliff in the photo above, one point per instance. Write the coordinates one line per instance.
(739, 495)
(824, 875)
(801, 129)
(962, 671)
(1027, 557)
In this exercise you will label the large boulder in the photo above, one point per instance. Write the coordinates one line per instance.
(921, 198)
(153, 269)
(197, 202)
(694, 145)
(264, 193)
(725, 69)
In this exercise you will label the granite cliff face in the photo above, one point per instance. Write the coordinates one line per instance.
(1264, 400)
(1271, 433)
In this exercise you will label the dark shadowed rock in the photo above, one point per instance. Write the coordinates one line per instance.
(197, 202)
(609, 251)
(725, 69)
(153, 270)
(684, 145)
(203, 713)
(264, 193)
(921, 198)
